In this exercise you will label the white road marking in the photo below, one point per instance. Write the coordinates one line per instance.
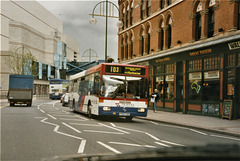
(114, 128)
(65, 112)
(198, 132)
(163, 144)
(39, 117)
(52, 117)
(225, 137)
(104, 132)
(82, 146)
(57, 108)
(154, 123)
(63, 115)
(71, 127)
(57, 127)
(113, 124)
(110, 148)
(71, 119)
(168, 142)
(42, 111)
(84, 124)
(155, 138)
(130, 129)
(129, 144)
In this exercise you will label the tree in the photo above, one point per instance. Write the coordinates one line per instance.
(23, 62)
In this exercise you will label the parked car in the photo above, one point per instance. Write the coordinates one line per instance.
(65, 100)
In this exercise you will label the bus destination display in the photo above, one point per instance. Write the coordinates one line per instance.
(125, 70)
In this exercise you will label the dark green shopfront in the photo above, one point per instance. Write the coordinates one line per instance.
(203, 80)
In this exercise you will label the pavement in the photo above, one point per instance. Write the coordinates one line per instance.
(206, 123)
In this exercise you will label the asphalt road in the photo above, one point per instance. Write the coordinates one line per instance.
(48, 130)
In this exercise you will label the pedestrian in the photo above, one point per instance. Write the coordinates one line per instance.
(155, 95)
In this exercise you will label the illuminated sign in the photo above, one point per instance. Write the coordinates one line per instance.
(201, 52)
(196, 86)
(125, 70)
(162, 60)
(234, 45)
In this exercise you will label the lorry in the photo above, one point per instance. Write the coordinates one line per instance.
(20, 89)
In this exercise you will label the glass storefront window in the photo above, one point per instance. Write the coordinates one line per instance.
(195, 65)
(195, 86)
(211, 86)
(160, 85)
(211, 63)
(169, 87)
(231, 60)
(239, 59)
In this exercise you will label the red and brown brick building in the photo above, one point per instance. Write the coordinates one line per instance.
(192, 48)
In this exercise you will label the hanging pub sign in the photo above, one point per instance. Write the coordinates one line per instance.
(234, 45)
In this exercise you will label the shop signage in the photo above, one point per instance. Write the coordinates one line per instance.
(234, 45)
(162, 60)
(159, 78)
(170, 78)
(211, 74)
(201, 52)
(227, 109)
(146, 63)
(195, 76)
(230, 89)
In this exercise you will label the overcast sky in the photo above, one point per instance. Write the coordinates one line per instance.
(75, 17)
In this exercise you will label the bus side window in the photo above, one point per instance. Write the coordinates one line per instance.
(96, 84)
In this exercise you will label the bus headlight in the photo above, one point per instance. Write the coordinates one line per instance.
(107, 109)
(141, 110)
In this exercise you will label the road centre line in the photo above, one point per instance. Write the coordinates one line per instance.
(163, 144)
(71, 127)
(114, 128)
(82, 146)
(168, 142)
(155, 138)
(198, 132)
(130, 144)
(57, 108)
(104, 132)
(225, 137)
(108, 147)
(84, 124)
(52, 117)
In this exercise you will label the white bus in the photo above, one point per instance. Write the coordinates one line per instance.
(57, 87)
(110, 89)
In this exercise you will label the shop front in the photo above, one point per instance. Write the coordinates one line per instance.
(203, 81)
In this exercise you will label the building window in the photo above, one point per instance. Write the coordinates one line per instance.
(160, 39)
(238, 15)
(195, 65)
(198, 26)
(239, 59)
(162, 3)
(127, 18)
(169, 82)
(211, 21)
(231, 60)
(149, 8)
(169, 37)
(142, 45)
(212, 63)
(123, 21)
(142, 10)
(148, 43)
(131, 15)
(169, 2)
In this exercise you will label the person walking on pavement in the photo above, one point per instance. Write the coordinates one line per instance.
(155, 95)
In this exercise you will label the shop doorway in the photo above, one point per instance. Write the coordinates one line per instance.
(179, 87)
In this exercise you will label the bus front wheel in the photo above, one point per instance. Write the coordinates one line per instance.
(89, 112)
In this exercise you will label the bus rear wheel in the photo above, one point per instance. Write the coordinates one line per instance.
(89, 112)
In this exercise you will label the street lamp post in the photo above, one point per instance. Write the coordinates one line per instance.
(93, 21)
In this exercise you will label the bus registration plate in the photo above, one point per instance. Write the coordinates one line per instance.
(124, 114)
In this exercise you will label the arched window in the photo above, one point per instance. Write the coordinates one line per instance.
(131, 46)
(122, 49)
(198, 22)
(131, 14)
(127, 16)
(123, 18)
(211, 21)
(126, 46)
(141, 43)
(148, 8)
(162, 4)
(142, 9)
(169, 2)
(169, 36)
(160, 37)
